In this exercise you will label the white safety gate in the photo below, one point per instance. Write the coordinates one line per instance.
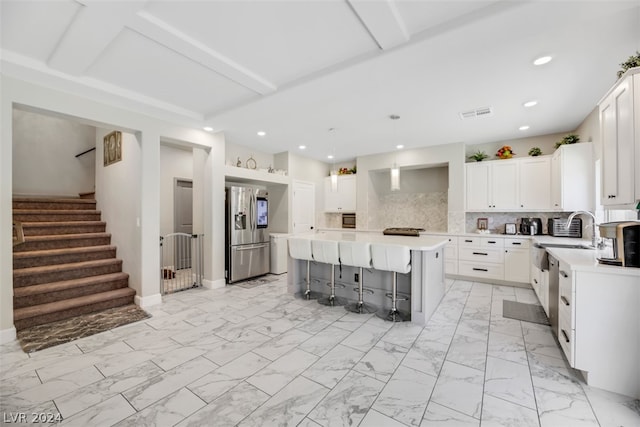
(181, 262)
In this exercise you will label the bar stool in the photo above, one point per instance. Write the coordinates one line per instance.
(327, 251)
(357, 254)
(300, 248)
(396, 259)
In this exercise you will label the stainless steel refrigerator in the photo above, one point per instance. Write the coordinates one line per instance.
(247, 234)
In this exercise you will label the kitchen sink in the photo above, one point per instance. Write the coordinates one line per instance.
(560, 245)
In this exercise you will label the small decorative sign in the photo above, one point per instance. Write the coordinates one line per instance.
(112, 144)
(483, 224)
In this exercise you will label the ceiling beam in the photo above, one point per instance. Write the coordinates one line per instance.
(383, 21)
(159, 31)
(95, 25)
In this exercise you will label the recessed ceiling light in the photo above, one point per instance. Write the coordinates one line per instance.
(208, 128)
(530, 103)
(261, 133)
(542, 60)
(302, 147)
(330, 156)
(523, 127)
(399, 146)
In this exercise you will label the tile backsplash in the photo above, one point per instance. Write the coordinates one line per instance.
(497, 220)
(425, 210)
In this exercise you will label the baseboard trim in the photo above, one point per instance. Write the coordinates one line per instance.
(7, 335)
(213, 284)
(148, 301)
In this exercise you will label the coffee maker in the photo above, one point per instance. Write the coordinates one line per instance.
(620, 243)
(530, 226)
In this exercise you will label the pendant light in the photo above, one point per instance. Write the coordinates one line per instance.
(334, 172)
(395, 170)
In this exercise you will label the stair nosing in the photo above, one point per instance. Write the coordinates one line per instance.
(47, 237)
(62, 251)
(43, 269)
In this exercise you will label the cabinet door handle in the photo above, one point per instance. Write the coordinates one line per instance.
(516, 243)
(493, 242)
(563, 274)
(535, 281)
(479, 269)
(480, 253)
(468, 241)
(564, 300)
(566, 337)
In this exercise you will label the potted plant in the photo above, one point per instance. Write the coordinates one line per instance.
(633, 61)
(535, 151)
(572, 138)
(478, 156)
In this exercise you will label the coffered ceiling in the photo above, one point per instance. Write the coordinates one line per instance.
(294, 69)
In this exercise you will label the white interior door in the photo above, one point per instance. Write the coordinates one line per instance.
(304, 206)
(183, 221)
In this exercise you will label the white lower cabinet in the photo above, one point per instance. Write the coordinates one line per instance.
(566, 312)
(451, 256)
(540, 284)
(516, 260)
(481, 257)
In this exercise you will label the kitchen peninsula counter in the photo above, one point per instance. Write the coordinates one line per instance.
(425, 283)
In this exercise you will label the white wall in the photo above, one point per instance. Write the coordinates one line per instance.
(233, 152)
(175, 162)
(44, 150)
(310, 170)
(118, 196)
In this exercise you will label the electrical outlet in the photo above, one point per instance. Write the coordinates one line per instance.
(356, 277)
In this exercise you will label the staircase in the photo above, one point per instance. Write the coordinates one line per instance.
(66, 265)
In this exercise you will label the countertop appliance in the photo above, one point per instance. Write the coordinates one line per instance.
(554, 292)
(246, 234)
(620, 243)
(402, 231)
(556, 227)
(530, 226)
(348, 220)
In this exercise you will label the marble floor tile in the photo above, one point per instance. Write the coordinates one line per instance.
(468, 351)
(381, 361)
(506, 326)
(442, 333)
(497, 412)
(99, 391)
(200, 334)
(403, 334)
(278, 374)
(351, 321)
(223, 379)
(405, 396)
(441, 416)
(308, 423)
(229, 409)
(348, 402)
(226, 351)
(276, 347)
(163, 385)
(364, 338)
(107, 413)
(473, 328)
(553, 374)
(315, 325)
(273, 328)
(289, 406)
(558, 409)
(426, 357)
(333, 366)
(19, 383)
(177, 357)
(50, 390)
(540, 341)
(321, 343)
(460, 388)
(168, 411)
(374, 418)
(115, 364)
(509, 381)
(613, 409)
(507, 347)
(527, 296)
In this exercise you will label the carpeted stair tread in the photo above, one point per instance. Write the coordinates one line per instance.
(59, 241)
(67, 284)
(36, 215)
(62, 256)
(59, 306)
(53, 203)
(54, 273)
(44, 228)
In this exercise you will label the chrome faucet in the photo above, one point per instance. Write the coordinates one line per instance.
(594, 236)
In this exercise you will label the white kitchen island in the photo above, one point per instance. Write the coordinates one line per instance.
(425, 283)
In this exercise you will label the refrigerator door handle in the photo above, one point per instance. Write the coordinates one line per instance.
(251, 247)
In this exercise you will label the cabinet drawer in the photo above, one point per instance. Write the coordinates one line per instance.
(490, 242)
(468, 241)
(517, 243)
(481, 254)
(475, 269)
(566, 336)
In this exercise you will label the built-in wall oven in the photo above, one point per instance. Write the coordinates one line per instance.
(348, 220)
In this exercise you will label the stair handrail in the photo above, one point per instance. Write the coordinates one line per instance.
(19, 233)
(85, 152)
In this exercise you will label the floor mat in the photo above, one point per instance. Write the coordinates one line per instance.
(533, 313)
(44, 336)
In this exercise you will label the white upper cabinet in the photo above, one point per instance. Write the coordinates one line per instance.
(535, 183)
(509, 185)
(620, 139)
(342, 200)
(572, 180)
